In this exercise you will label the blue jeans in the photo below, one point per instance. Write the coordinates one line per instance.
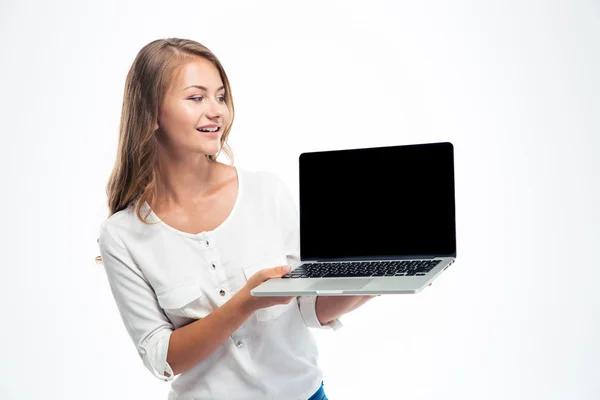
(319, 394)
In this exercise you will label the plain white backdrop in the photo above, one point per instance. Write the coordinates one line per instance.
(513, 85)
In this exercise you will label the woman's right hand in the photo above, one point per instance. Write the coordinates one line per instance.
(254, 303)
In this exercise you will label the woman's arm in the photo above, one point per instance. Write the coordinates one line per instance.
(329, 308)
(165, 351)
(192, 343)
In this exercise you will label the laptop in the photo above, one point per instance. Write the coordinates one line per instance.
(373, 221)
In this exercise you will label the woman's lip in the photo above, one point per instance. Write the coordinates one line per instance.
(213, 135)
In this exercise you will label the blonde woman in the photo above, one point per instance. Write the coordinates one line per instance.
(188, 237)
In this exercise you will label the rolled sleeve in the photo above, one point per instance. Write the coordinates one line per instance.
(308, 310)
(147, 325)
(154, 353)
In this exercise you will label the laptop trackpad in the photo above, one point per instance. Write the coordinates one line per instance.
(333, 284)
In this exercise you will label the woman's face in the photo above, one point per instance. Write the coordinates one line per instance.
(195, 99)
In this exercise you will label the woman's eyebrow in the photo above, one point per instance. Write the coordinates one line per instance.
(202, 87)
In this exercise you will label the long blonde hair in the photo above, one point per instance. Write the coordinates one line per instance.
(134, 176)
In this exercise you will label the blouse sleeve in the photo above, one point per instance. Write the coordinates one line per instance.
(147, 325)
(288, 217)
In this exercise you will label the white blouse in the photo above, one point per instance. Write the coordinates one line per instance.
(162, 278)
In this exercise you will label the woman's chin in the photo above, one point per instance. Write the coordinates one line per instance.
(208, 150)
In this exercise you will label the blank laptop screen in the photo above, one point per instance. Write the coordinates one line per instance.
(377, 203)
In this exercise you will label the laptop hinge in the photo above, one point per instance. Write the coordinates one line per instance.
(359, 259)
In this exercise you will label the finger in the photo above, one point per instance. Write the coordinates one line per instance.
(275, 272)
(283, 269)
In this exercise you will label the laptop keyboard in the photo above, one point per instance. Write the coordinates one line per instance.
(363, 268)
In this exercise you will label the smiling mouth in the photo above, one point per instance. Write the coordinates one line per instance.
(205, 131)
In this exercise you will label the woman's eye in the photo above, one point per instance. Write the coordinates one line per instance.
(199, 98)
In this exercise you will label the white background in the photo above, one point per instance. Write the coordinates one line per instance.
(514, 85)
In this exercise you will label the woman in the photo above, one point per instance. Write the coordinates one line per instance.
(188, 237)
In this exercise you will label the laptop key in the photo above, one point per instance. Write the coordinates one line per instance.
(362, 273)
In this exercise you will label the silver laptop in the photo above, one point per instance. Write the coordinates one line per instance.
(372, 221)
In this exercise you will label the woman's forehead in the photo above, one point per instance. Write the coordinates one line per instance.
(197, 72)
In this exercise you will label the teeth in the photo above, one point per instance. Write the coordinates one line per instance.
(209, 129)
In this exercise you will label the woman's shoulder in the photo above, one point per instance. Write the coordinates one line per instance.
(124, 222)
(258, 177)
(120, 216)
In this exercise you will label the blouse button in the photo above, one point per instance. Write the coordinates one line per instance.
(222, 292)
(239, 343)
(207, 243)
(213, 266)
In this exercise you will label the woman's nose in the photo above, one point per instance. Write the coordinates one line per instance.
(214, 110)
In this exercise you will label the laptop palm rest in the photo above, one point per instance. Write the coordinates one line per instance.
(333, 284)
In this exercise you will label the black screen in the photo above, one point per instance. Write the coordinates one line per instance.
(377, 203)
